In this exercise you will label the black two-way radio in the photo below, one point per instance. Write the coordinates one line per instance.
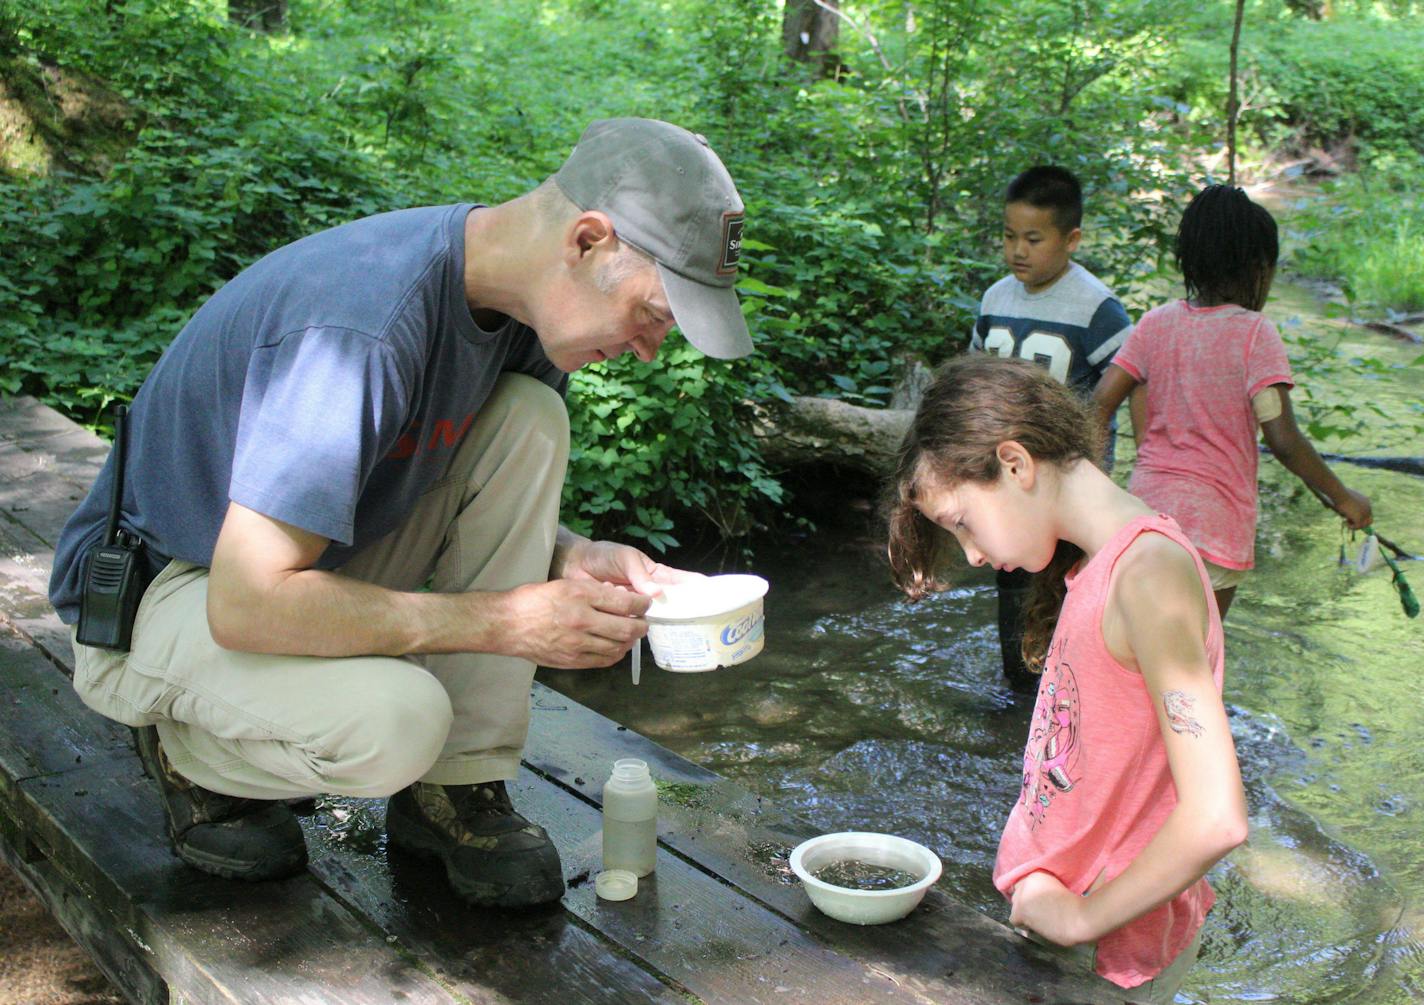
(117, 573)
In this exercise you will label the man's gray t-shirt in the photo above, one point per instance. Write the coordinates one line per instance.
(326, 386)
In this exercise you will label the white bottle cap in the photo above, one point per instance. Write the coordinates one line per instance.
(615, 884)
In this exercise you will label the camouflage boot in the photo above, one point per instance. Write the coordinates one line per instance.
(251, 839)
(493, 856)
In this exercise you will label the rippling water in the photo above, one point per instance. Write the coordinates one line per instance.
(865, 712)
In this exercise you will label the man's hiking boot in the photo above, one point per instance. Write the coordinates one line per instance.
(250, 839)
(493, 856)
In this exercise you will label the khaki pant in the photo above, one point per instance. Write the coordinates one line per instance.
(275, 727)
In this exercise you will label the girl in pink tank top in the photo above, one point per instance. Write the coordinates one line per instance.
(1131, 789)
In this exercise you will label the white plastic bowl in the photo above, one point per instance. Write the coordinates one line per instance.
(708, 622)
(865, 907)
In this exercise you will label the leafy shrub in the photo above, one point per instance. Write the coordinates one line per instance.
(98, 274)
(655, 442)
(1360, 81)
(1307, 83)
(1366, 233)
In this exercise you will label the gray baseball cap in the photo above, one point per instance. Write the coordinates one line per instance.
(669, 196)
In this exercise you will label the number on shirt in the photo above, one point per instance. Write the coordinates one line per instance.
(1047, 349)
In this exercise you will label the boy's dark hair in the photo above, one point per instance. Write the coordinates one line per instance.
(1051, 188)
(1227, 247)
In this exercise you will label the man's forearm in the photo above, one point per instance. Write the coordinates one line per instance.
(315, 613)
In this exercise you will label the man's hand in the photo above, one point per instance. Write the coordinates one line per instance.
(573, 623)
(1047, 908)
(590, 613)
(578, 558)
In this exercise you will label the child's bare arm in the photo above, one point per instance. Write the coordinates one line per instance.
(1114, 385)
(1159, 608)
(1300, 458)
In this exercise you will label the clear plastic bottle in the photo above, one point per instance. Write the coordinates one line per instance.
(630, 818)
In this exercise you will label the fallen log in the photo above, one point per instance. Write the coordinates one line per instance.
(809, 432)
(1398, 330)
(826, 431)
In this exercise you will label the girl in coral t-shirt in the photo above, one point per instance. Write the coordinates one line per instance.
(1214, 368)
(1131, 789)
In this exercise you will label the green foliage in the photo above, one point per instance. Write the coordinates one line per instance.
(98, 274)
(1304, 83)
(662, 440)
(874, 194)
(1366, 234)
(1323, 83)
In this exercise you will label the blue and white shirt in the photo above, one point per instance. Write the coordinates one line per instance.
(1073, 328)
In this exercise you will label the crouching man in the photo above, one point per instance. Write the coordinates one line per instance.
(345, 474)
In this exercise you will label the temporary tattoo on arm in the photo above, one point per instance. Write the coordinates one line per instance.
(1179, 712)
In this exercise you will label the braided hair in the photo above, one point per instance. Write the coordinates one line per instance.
(1227, 248)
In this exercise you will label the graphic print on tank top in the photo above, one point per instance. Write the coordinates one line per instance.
(1051, 760)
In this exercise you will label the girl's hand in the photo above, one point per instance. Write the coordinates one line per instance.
(1047, 908)
(1355, 508)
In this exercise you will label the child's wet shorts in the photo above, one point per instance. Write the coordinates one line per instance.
(1223, 578)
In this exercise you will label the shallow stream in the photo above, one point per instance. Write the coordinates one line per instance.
(869, 713)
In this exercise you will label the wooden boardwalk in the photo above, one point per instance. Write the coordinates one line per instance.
(719, 921)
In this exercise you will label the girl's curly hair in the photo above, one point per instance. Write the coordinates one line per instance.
(975, 403)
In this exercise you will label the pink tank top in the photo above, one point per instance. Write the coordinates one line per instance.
(1096, 783)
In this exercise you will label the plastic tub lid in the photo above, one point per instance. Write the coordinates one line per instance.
(615, 884)
(706, 597)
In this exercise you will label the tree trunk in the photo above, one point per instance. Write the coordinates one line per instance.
(810, 30)
(1233, 106)
(259, 15)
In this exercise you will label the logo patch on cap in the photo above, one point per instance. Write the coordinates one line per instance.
(731, 243)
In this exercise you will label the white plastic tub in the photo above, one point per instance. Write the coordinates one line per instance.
(865, 907)
(707, 623)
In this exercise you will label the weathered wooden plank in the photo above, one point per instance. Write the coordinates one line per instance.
(89, 827)
(47, 464)
(540, 957)
(40, 733)
(694, 928)
(211, 940)
(489, 957)
(944, 950)
(24, 593)
(127, 967)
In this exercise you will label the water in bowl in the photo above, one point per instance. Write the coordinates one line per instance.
(853, 874)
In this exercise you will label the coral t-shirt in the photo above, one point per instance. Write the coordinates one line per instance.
(1096, 783)
(1197, 457)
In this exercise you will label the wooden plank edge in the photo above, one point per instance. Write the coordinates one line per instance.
(175, 916)
(116, 955)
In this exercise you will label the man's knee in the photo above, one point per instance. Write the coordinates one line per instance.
(401, 733)
(532, 402)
